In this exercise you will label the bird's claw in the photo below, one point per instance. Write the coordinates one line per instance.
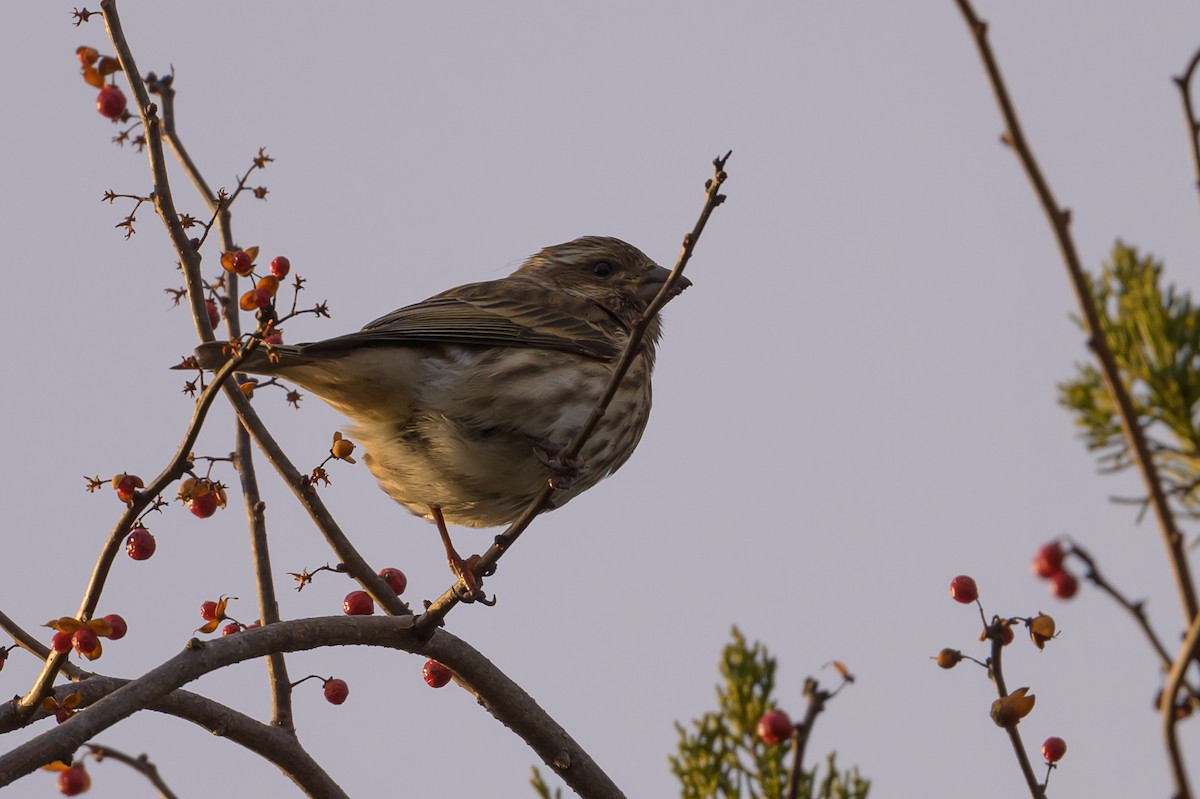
(469, 585)
(563, 468)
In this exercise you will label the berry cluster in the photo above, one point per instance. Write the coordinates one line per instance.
(1048, 564)
(84, 636)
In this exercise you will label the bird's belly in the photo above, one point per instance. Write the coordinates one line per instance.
(479, 436)
(479, 480)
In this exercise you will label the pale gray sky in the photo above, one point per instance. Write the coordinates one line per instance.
(854, 403)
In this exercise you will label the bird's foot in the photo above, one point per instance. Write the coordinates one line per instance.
(464, 569)
(564, 469)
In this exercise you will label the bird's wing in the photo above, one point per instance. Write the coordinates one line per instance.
(501, 313)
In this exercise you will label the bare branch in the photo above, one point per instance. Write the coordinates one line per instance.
(506, 700)
(1059, 219)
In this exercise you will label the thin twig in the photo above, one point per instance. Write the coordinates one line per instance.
(996, 672)
(1184, 82)
(140, 764)
(1059, 219)
(268, 605)
(164, 203)
(1188, 651)
(1137, 609)
(816, 703)
(437, 611)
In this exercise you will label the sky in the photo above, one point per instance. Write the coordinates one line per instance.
(854, 403)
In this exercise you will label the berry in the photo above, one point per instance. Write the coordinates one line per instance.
(1064, 585)
(61, 642)
(1053, 749)
(110, 102)
(204, 505)
(395, 578)
(261, 297)
(126, 486)
(948, 658)
(243, 264)
(274, 338)
(231, 628)
(140, 544)
(775, 727)
(208, 610)
(73, 781)
(1007, 635)
(119, 627)
(336, 691)
(3, 657)
(280, 266)
(214, 313)
(85, 641)
(963, 589)
(1048, 561)
(358, 603)
(435, 674)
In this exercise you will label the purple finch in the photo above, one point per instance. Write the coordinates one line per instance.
(464, 402)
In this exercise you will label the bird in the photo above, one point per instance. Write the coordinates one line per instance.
(464, 403)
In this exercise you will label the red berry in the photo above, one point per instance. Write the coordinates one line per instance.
(242, 263)
(61, 642)
(231, 628)
(1053, 749)
(126, 486)
(261, 297)
(274, 338)
(110, 102)
(73, 781)
(395, 578)
(204, 505)
(1007, 635)
(85, 641)
(775, 727)
(208, 610)
(280, 266)
(214, 313)
(140, 544)
(119, 627)
(358, 603)
(963, 589)
(1048, 560)
(1064, 585)
(336, 691)
(435, 674)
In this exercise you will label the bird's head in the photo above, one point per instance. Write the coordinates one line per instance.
(604, 270)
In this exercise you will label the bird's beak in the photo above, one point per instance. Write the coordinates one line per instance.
(653, 279)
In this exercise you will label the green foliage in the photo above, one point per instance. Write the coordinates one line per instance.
(722, 758)
(541, 788)
(1154, 334)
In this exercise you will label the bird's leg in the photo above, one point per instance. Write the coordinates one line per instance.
(463, 569)
(563, 469)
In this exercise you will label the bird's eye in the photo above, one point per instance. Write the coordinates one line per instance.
(602, 269)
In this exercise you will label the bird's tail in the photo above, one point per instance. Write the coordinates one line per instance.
(263, 361)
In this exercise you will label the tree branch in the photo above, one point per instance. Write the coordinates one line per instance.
(506, 700)
(1059, 219)
(1188, 652)
(1184, 82)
